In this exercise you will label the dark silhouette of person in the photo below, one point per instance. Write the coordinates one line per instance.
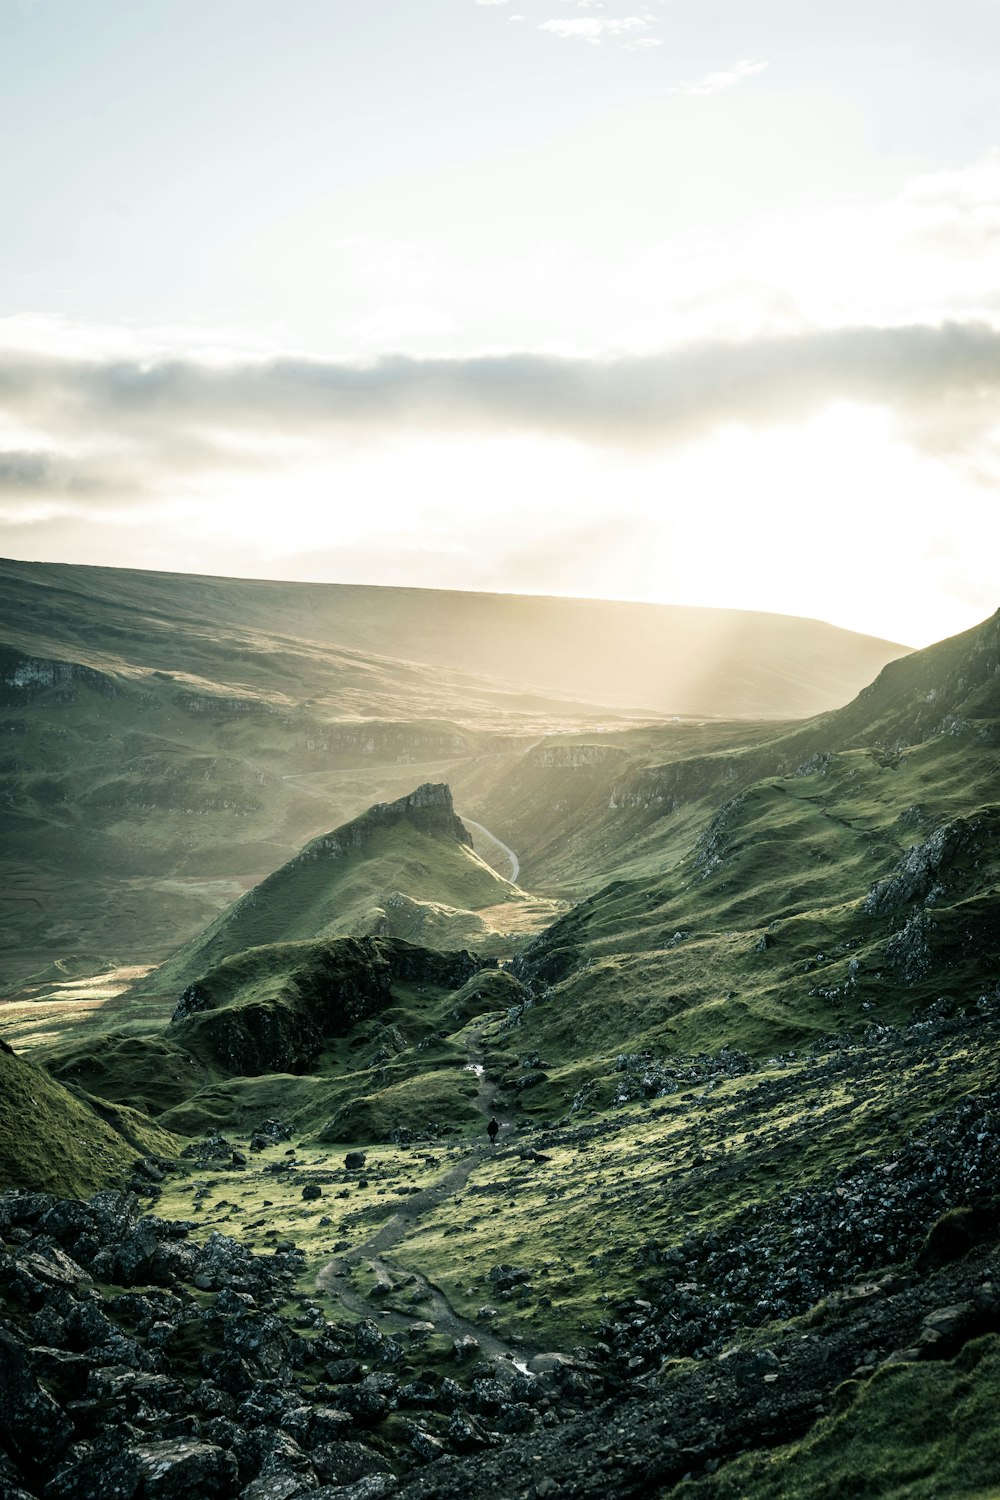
(492, 1130)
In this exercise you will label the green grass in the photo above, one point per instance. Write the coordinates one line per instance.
(426, 1105)
(912, 1432)
(52, 1141)
(671, 957)
(261, 1209)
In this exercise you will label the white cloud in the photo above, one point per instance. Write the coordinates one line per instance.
(957, 212)
(724, 78)
(593, 28)
(120, 424)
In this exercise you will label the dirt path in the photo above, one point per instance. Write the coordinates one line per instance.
(424, 1300)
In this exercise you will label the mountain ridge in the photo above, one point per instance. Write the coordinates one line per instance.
(395, 864)
(556, 644)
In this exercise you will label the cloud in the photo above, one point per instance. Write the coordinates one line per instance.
(593, 28)
(955, 212)
(36, 472)
(725, 78)
(144, 424)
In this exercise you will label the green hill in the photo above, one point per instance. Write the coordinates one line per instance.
(52, 1141)
(844, 882)
(403, 869)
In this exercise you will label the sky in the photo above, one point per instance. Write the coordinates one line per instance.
(690, 301)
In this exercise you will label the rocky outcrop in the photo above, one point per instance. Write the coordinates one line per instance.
(25, 678)
(921, 875)
(662, 789)
(430, 808)
(271, 1010)
(574, 757)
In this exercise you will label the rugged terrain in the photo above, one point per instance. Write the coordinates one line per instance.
(739, 1024)
(167, 741)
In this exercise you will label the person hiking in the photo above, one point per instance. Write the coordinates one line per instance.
(492, 1130)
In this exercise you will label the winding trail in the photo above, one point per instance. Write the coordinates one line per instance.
(432, 1306)
(491, 838)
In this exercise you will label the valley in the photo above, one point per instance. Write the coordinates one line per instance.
(292, 913)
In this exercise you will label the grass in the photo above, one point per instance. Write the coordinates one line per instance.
(757, 938)
(262, 1209)
(400, 870)
(912, 1432)
(52, 1141)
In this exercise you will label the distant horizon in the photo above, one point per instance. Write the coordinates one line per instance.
(485, 593)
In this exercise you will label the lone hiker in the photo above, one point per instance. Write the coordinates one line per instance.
(492, 1130)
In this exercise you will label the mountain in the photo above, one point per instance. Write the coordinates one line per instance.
(653, 658)
(403, 869)
(738, 1233)
(167, 740)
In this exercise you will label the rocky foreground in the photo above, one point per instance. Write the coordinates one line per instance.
(138, 1364)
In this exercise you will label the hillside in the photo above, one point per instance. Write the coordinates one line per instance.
(800, 887)
(583, 806)
(739, 1233)
(403, 869)
(53, 1141)
(652, 658)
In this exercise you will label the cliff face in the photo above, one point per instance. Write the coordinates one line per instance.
(24, 678)
(271, 1009)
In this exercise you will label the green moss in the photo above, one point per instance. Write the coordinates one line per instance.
(913, 1432)
(51, 1141)
(431, 1104)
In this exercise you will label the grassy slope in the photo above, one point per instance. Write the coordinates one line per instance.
(54, 1142)
(665, 658)
(743, 924)
(759, 938)
(914, 1432)
(402, 869)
